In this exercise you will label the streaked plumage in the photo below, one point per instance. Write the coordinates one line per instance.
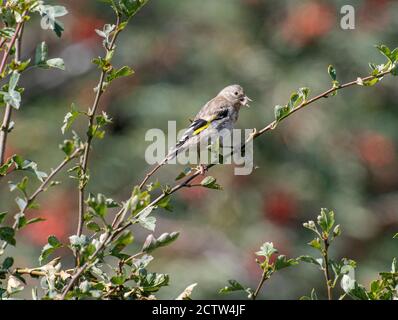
(219, 113)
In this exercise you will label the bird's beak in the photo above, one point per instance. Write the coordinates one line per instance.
(245, 101)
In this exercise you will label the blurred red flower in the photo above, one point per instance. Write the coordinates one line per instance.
(376, 150)
(280, 206)
(307, 22)
(374, 14)
(56, 211)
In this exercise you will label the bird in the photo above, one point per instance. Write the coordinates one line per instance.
(219, 113)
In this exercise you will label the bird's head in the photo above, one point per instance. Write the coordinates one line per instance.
(235, 94)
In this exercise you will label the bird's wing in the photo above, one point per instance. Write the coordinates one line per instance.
(215, 109)
(198, 125)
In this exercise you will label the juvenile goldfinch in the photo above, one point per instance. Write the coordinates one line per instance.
(219, 113)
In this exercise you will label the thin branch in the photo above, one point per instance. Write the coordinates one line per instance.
(326, 268)
(273, 124)
(43, 186)
(38, 272)
(264, 277)
(11, 44)
(17, 39)
(91, 114)
(150, 174)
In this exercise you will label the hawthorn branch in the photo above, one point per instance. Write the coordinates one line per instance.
(43, 187)
(326, 267)
(264, 277)
(17, 40)
(150, 174)
(38, 272)
(91, 115)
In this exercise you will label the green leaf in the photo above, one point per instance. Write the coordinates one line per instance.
(211, 183)
(294, 101)
(332, 73)
(69, 118)
(13, 96)
(267, 250)
(49, 14)
(355, 290)
(384, 50)
(7, 263)
(131, 7)
(336, 231)
(282, 262)
(56, 63)
(21, 203)
(41, 53)
(67, 147)
(2, 216)
(98, 205)
(7, 32)
(103, 119)
(53, 241)
(7, 165)
(35, 220)
(281, 112)
(165, 203)
(367, 83)
(394, 68)
(122, 72)
(184, 173)
(310, 259)
(21, 186)
(316, 244)
(145, 221)
(28, 165)
(233, 286)
(394, 265)
(326, 220)
(118, 280)
(151, 243)
(303, 93)
(313, 296)
(124, 240)
(93, 226)
(14, 79)
(7, 234)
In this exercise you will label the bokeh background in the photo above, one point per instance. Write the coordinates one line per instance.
(340, 153)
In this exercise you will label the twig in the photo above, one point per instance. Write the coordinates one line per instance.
(11, 44)
(43, 186)
(264, 277)
(37, 272)
(17, 39)
(150, 174)
(273, 124)
(326, 267)
(91, 114)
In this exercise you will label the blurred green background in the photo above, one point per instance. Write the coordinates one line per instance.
(340, 153)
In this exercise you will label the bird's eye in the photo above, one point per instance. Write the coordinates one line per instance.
(236, 93)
